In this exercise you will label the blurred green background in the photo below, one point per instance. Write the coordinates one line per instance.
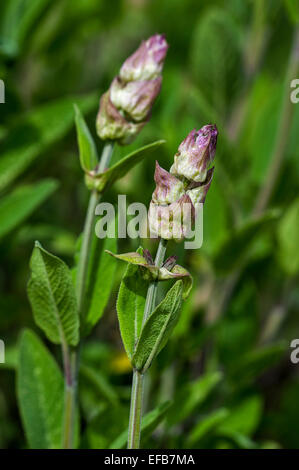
(225, 379)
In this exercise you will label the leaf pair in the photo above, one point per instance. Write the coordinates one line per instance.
(143, 343)
(89, 158)
(150, 272)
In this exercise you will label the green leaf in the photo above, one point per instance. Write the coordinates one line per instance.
(149, 423)
(178, 272)
(40, 392)
(101, 272)
(19, 204)
(217, 71)
(158, 328)
(207, 424)
(261, 125)
(236, 246)
(151, 272)
(35, 132)
(288, 236)
(52, 297)
(87, 148)
(250, 366)
(292, 7)
(18, 18)
(100, 383)
(191, 396)
(130, 306)
(243, 418)
(121, 168)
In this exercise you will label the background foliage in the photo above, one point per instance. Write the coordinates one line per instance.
(225, 380)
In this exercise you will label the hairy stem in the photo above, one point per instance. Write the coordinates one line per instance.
(71, 360)
(138, 378)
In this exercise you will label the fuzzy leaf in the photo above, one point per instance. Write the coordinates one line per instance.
(132, 258)
(151, 272)
(158, 328)
(52, 297)
(87, 149)
(178, 272)
(130, 307)
(104, 180)
(40, 392)
(20, 203)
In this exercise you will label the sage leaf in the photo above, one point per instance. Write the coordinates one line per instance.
(158, 328)
(243, 418)
(17, 21)
(87, 149)
(130, 306)
(52, 297)
(40, 392)
(35, 132)
(237, 246)
(178, 272)
(98, 381)
(20, 203)
(191, 396)
(104, 180)
(207, 425)
(150, 272)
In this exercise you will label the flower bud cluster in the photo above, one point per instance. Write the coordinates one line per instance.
(178, 192)
(126, 106)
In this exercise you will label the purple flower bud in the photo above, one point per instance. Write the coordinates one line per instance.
(168, 188)
(111, 125)
(172, 221)
(126, 106)
(196, 153)
(135, 99)
(198, 191)
(146, 63)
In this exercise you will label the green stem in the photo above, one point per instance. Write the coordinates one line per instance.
(138, 379)
(135, 410)
(68, 435)
(68, 425)
(85, 250)
(71, 361)
(106, 156)
(88, 231)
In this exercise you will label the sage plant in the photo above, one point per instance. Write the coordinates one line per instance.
(145, 328)
(61, 303)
